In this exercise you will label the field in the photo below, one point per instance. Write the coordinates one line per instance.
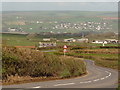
(32, 39)
(102, 57)
(19, 40)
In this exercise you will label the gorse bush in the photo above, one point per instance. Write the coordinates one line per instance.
(26, 62)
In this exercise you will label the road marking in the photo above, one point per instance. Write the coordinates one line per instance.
(96, 80)
(102, 78)
(37, 87)
(64, 84)
(109, 74)
(86, 82)
(106, 76)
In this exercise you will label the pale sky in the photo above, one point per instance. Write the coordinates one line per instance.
(12, 7)
(74, 6)
(60, 0)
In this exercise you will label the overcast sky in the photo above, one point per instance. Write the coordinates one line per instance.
(60, 0)
(79, 6)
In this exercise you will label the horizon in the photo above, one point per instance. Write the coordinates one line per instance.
(57, 11)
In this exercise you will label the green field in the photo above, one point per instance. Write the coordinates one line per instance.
(19, 40)
(102, 57)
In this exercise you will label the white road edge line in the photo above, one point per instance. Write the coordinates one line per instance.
(64, 84)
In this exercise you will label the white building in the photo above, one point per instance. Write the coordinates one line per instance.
(11, 29)
(100, 42)
(46, 39)
(70, 40)
(82, 40)
(111, 40)
(44, 44)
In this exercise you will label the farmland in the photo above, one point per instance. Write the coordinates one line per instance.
(33, 39)
(59, 21)
(102, 57)
(83, 50)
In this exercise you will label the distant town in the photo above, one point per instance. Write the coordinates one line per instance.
(56, 25)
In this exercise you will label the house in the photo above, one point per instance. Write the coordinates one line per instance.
(99, 42)
(44, 44)
(11, 29)
(46, 39)
(111, 40)
(82, 40)
(49, 39)
(70, 40)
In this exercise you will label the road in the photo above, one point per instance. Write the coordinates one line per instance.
(97, 77)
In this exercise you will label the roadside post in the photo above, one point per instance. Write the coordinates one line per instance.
(65, 49)
(103, 44)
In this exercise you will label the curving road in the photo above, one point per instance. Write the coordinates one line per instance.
(97, 77)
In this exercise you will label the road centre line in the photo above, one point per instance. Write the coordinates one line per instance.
(86, 82)
(96, 80)
(102, 78)
(106, 76)
(109, 74)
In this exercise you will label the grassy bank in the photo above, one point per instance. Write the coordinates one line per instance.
(26, 63)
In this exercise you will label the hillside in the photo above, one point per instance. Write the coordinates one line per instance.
(59, 21)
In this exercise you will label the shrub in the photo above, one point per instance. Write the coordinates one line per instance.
(65, 73)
